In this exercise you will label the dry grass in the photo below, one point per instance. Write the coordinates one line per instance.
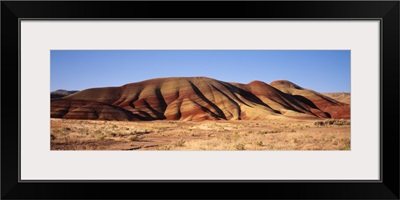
(207, 135)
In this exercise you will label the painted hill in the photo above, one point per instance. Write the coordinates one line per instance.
(197, 99)
(316, 100)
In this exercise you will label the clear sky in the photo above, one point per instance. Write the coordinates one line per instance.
(319, 70)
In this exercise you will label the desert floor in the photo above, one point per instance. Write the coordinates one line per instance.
(206, 135)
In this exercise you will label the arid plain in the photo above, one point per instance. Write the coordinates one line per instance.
(200, 113)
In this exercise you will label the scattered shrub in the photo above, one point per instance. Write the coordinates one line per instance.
(180, 143)
(133, 138)
(236, 136)
(240, 146)
(329, 138)
(166, 147)
(83, 131)
(226, 137)
(340, 122)
(345, 147)
(101, 137)
(319, 123)
(269, 131)
(56, 131)
(52, 137)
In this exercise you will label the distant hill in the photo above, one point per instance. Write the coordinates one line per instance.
(197, 99)
(61, 93)
(339, 96)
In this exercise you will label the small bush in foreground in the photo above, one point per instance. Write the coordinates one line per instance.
(101, 137)
(180, 143)
(133, 138)
(240, 146)
(66, 129)
(269, 131)
(340, 122)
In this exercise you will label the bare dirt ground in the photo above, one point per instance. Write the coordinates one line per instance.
(206, 135)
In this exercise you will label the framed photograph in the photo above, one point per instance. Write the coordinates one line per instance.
(111, 98)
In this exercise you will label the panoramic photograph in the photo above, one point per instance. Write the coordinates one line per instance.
(195, 100)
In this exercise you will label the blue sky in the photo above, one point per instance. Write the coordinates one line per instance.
(319, 70)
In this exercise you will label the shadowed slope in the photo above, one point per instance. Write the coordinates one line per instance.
(196, 99)
(287, 104)
(314, 99)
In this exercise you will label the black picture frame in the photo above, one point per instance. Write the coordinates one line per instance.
(386, 11)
